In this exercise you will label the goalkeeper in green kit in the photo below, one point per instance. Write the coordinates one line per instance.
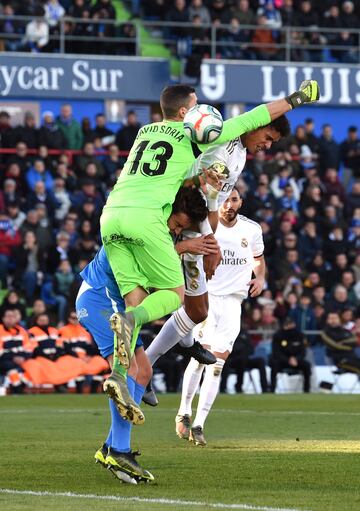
(134, 227)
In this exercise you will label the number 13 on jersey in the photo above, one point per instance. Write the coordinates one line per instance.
(161, 154)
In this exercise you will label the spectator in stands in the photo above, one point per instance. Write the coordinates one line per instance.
(338, 300)
(38, 307)
(348, 17)
(345, 48)
(7, 138)
(312, 197)
(288, 352)
(197, 8)
(113, 164)
(237, 37)
(62, 281)
(329, 152)
(43, 233)
(126, 135)
(14, 350)
(37, 173)
(306, 16)
(88, 191)
(20, 157)
(62, 198)
(11, 193)
(103, 10)
(240, 360)
(50, 135)
(290, 267)
(303, 315)
(340, 344)
(36, 32)
(309, 242)
(16, 216)
(42, 196)
(12, 28)
(272, 15)
(100, 130)
(350, 154)
(281, 180)
(9, 239)
(88, 156)
(200, 43)
(13, 301)
(348, 281)
(264, 41)
(311, 139)
(27, 132)
(178, 13)
(54, 11)
(332, 185)
(70, 127)
(288, 13)
(219, 11)
(30, 266)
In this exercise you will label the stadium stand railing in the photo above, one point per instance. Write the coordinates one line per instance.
(292, 43)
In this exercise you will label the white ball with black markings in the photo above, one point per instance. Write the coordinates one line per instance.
(203, 124)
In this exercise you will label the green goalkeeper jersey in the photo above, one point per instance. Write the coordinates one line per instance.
(161, 156)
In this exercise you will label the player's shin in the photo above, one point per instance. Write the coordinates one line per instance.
(175, 328)
(208, 392)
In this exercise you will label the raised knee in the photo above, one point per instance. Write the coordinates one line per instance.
(197, 315)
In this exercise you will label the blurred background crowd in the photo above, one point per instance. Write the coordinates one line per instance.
(305, 194)
(239, 29)
(55, 176)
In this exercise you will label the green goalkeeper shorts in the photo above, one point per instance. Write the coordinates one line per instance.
(140, 249)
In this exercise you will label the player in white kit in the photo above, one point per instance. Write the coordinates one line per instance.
(242, 248)
(230, 160)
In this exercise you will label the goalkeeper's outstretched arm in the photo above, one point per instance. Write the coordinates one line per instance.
(262, 115)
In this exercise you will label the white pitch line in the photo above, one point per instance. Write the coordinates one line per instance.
(214, 410)
(169, 502)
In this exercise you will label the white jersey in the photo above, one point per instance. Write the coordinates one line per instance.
(232, 154)
(239, 245)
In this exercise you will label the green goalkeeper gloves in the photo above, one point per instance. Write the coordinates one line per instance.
(309, 92)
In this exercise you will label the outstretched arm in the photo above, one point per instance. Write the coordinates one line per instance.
(309, 92)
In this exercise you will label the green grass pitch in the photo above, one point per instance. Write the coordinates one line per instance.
(265, 452)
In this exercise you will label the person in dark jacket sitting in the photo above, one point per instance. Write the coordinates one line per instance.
(340, 344)
(288, 352)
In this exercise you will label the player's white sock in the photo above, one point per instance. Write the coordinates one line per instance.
(191, 380)
(208, 391)
(188, 340)
(176, 327)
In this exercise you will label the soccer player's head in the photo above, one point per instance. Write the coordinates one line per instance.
(189, 209)
(229, 209)
(176, 100)
(263, 138)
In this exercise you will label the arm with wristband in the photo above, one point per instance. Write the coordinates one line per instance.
(309, 92)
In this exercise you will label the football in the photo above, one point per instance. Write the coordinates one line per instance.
(203, 124)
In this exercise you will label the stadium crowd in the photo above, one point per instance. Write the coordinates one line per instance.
(238, 40)
(305, 194)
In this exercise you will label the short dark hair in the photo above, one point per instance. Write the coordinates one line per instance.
(281, 125)
(174, 97)
(192, 203)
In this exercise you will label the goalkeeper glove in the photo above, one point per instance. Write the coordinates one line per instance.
(309, 92)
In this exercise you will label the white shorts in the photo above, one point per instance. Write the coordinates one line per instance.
(195, 278)
(222, 326)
